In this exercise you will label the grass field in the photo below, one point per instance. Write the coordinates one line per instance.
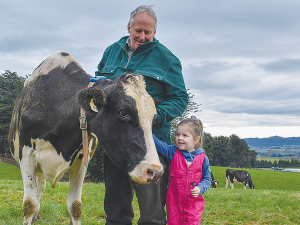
(9, 172)
(272, 159)
(275, 200)
(262, 179)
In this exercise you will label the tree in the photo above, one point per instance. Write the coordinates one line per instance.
(208, 146)
(10, 87)
(242, 156)
(252, 157)
(222, 151)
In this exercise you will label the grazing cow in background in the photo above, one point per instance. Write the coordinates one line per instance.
(238, 177)
(213, 181)
(46, 137)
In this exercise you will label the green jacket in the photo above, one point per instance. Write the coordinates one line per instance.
(163, 75)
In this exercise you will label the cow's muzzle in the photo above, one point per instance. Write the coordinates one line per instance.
(154, 175)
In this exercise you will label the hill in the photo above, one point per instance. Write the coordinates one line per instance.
(274, 141)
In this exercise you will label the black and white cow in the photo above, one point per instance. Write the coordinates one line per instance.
(46, 139)
(213, 181)
(238, 177)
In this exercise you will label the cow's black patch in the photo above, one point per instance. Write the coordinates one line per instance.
(64, 54)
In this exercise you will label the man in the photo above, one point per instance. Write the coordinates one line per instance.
(142, 54)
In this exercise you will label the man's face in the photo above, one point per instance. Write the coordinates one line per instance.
(142, 30)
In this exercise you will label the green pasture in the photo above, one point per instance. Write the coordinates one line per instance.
(272, 159)
(9, 172)
(275, 200)
(262, 179)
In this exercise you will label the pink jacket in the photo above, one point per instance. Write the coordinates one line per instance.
(183, 208)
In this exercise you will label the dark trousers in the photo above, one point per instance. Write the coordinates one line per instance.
(120, 191)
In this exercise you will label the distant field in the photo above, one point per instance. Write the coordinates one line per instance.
(272, 159)
(271, 202)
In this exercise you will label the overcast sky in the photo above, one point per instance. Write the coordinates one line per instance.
(241, 59)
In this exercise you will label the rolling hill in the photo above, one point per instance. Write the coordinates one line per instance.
(274, 141)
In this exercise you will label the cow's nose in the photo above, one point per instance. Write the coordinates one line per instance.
(154, 175)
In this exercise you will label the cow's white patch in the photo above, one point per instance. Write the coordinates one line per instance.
(16, 145)
(136, 89)
(52, 164)
(57, 60)
(238, 182)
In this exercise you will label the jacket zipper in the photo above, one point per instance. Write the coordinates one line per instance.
(127, 55)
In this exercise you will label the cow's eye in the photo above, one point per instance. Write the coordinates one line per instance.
(124, 113)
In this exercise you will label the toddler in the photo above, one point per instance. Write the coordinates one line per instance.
(189, 173)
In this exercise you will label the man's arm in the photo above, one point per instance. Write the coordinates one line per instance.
(102, 63)
(177, 98)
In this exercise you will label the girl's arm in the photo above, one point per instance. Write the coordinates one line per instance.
(206, 178)
(163, 148)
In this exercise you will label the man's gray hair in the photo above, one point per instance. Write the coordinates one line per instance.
(143, 8)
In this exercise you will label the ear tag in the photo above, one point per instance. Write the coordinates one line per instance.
(93, 106)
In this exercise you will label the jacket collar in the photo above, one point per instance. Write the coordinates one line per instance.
(189, 156)
(146, 47)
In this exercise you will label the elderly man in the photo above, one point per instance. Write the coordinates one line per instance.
(141, 53)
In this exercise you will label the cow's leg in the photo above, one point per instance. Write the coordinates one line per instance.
(226, 182)
(76, 177)
(231, 182)
(77, 173)
(28, 171)
(41, 184)
(245, 184)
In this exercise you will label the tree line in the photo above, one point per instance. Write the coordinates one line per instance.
(10, 87)
(222, 151)
(280, 163)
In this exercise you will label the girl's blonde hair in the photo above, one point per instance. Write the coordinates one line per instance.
(196, 127)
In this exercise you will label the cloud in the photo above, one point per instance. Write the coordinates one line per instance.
(231, 87)
(285, 65)
(240, 58)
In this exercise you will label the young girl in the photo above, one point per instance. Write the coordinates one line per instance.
(189, 173)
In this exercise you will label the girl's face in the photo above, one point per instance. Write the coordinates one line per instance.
(185, 139)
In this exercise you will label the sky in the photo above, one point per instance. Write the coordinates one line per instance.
(240, 59)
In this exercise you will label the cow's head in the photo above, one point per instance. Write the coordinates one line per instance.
(121, 114)
(214, 184)
(251, 185)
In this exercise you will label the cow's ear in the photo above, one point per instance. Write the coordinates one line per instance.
(157, 101)
(91, 99)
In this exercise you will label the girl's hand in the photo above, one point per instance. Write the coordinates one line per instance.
(195, 192)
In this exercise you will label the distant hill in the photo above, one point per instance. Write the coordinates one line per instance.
(272, 141)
